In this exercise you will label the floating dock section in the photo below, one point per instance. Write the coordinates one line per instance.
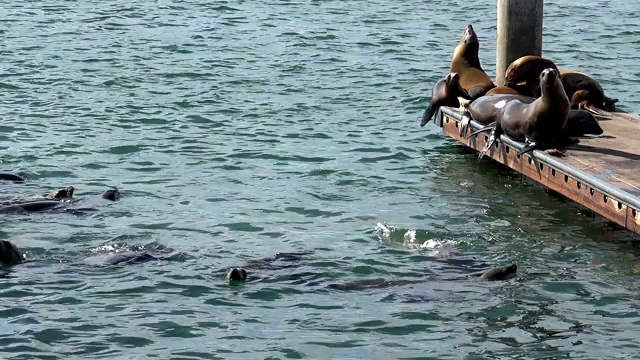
(600, 173)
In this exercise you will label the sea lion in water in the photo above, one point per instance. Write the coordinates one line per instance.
(237, 274)
(586, 93)
(539, 123)
(527, 69)
(466, 63)
(500, 273)
(445, 93)
(30, 206)
(10, 254)
(112, 194)
(11, 177)
(485, 109)
(62, 193)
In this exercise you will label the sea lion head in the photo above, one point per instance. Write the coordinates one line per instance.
(452, 79)
(62, 193)
(469, 36)
(467, 50)
(549, 80)
(112, 194)
(9, 253)
(586, 124)
(237, 274)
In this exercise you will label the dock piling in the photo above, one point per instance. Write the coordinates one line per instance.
(519, 32)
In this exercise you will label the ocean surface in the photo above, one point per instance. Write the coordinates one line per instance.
(239, 129)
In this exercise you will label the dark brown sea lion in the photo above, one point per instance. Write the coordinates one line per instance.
(30, 206)
(500, 273)
(62, 193)
(540, 123)
(527, 69)
(10, 254)
(466, 63)
(446, 92)
(237, 274)
(513, 89)
(112, 194)
(586, 93)
(11, 177)
(485, 109)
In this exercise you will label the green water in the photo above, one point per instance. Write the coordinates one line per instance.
(236, 130)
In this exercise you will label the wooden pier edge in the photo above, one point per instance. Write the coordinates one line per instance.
(602, 198)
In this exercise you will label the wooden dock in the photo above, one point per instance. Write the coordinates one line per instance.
(600, 173)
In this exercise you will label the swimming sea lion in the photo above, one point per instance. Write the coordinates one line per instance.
(237, 274)
(539, 123)
(513, 89)
(527, 69)
(445, 93)
(30, 206)
(485, 109)
(11, 177)
(112, 194)
(500, 273)
(586, 93)
(62, 193)
(466, 63)
(10, 254)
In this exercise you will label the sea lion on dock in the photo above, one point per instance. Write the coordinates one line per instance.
(539, 123)
(500, 273)
(445, 93)
(527, 69)
(513, 89)
(10, 254)
(466, 63)
(485, 109)
(586, 93)
(11, 177)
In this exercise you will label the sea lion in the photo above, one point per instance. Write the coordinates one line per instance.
(527, 69)
(539, 123)
(586, 93)
(513, 89)
(237, 274)
(10, 254)
(30, 206)
(500, 273)
(112, 194)
(131, 257)
(446, 92)
(11, 177)
(62, 193)
(466, 63)
(485, 109)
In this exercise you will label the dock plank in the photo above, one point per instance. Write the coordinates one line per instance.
(614, 157)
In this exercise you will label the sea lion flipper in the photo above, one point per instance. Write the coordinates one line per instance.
(464, 123)
(428, 114)
(488, 127)
(492, 139)
(527, 148)
(593, 109)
